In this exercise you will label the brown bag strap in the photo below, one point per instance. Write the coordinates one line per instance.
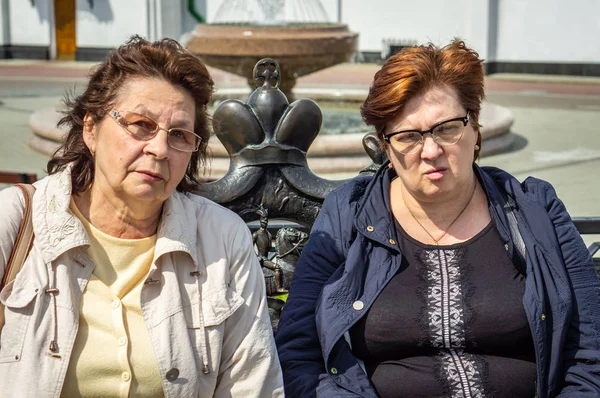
(24, 239)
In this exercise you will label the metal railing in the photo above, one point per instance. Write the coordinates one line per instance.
(590, 226)
(585, 226)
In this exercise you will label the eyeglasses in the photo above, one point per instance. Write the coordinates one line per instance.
(446, 133)
(144, 128)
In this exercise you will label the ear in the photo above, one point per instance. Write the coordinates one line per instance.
(89, 133)
(477, 146)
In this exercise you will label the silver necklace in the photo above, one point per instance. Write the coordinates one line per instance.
(436, 241)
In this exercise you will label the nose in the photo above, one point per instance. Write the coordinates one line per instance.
(158, 145)
(431, 149)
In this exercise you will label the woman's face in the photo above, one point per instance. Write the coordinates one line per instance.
(434, 172)
(146, 172)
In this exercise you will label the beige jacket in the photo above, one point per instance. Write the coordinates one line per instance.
(203, 303)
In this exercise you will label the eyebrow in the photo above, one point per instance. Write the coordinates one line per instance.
(397, 130)
(178, 124)
(143, 110)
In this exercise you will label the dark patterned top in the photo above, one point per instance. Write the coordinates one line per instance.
(450, 323)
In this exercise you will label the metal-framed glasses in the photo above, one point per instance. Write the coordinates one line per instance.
(144, 128)
(445, 133)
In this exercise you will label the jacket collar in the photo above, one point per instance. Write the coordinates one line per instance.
(178, 229)
(57, 230)
(374, 217)
(492, 181)
(375, 209)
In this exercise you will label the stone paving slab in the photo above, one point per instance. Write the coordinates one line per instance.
(15, 133)
(349, 75)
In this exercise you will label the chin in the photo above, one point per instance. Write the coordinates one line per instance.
(437, 188)
(148, 193)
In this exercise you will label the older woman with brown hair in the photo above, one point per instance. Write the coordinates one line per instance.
(134, 286)
(436, 277)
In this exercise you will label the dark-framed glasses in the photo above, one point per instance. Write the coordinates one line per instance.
(445, 133)
(144, 128)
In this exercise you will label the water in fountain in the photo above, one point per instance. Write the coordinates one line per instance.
(271, 12)
(339, 117)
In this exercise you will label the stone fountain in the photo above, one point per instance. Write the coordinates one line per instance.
(295, 33)
(334, 153)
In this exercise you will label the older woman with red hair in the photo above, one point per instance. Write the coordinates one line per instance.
(437, 277)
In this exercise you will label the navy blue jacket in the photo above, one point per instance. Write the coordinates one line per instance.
(352, 254)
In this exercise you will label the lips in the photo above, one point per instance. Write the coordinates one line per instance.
(436, 173)
(151, 175)
(436, 170)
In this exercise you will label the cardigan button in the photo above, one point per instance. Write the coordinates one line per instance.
(370, 228)
(392, 241)
(358, 305)
(333, 371)
(543, 317)
(172, 374)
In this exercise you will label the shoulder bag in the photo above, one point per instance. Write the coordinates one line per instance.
(22, 245)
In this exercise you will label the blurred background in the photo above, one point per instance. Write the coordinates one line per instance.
(534, 36)
(542, 61)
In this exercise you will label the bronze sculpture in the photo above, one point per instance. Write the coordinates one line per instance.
(262, 239)
(267, 139)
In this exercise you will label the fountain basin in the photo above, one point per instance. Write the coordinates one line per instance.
(329, 154)
(300, 49)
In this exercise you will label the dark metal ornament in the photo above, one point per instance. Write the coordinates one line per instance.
(267, 139)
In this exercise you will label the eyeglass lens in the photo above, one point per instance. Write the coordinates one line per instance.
(447, 133)
(145, 129)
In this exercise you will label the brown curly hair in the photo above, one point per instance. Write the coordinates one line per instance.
(165, 59)
(414, 70)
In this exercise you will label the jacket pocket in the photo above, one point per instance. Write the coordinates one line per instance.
(19, 305)
(205, 321)
(214, 308)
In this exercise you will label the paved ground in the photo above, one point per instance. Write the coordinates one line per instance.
(557, 120)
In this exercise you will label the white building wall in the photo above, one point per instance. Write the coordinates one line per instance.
(437, 21)
(548, 31)
(188, 21)
(29, 23)
(407, 20)
(4, 23)
(110, 22)
(555, 31)
(479, 30)
(171, 17)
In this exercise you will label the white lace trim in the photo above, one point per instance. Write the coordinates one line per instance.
(445, 310)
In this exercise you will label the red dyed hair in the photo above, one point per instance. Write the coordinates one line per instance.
(414, 70)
